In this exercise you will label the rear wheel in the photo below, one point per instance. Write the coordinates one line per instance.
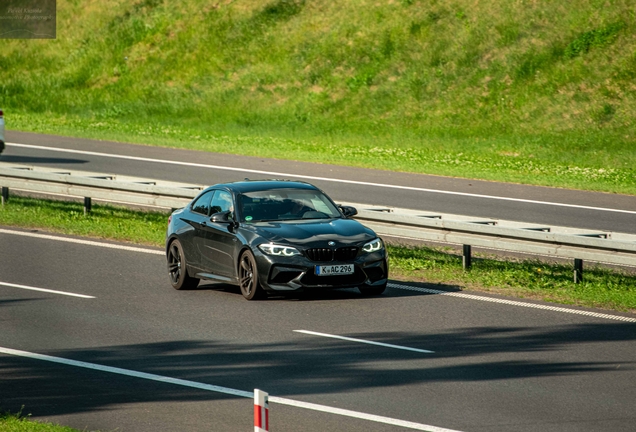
(372, 290)
(177, 270)
(248, 277)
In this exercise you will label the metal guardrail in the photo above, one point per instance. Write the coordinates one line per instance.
(527, 238)
(107, 187)
(554, 241)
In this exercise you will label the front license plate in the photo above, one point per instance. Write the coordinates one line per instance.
(333, 270)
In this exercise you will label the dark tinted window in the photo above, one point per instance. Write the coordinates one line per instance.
(221, 202)
(202, 204)
(286, 204)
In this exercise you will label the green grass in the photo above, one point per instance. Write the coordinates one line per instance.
(103, 222)
(533, 93)
(560, 164)
(603, 288)
(19, 423)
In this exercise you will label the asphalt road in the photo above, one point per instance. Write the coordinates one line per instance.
(552, 206)
(494, 367)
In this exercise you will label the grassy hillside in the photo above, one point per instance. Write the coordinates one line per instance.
(531, 91)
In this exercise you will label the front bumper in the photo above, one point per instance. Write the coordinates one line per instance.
(285, 274)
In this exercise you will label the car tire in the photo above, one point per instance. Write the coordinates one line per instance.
(248, 277)
(372, 290)
(177, 269)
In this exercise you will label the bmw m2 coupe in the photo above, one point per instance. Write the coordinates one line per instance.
(273, 236)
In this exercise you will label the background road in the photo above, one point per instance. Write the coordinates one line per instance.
(459, 196)
(494, 367)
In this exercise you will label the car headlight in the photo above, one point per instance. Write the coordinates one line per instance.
(373, 246)
(278, 250)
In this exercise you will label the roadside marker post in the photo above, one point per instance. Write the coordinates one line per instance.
(261, 411)
(466, 257)
(88, 205)
(578, 271)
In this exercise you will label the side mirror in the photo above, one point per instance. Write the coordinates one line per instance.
(348, 211)
(222, 217)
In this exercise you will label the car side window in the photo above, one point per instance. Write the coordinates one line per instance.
(202, 205)
(221, 202)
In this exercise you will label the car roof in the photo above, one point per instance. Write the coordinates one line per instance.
(263, 185)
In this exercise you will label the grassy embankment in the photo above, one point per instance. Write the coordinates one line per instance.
(529, 279)
(533, 92)
(20, 423)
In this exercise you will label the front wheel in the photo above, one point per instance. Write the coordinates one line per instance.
(248, 277)
(177, 271)
(372, 290)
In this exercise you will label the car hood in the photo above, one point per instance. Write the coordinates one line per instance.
(313, 233)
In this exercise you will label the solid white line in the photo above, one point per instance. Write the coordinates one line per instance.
(512, 302)
(126, 372)
(45, 290)
(364, 341)
(390, 285)
(306, 177)
(82, 242)
(359, 415)
(224, 390)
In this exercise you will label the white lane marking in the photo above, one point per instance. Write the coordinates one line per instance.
(46, 290)
(364, 341)
(512, 302)
(307, 177)
(390, 285)
(82, 242)
(224, 390)
(359, 415)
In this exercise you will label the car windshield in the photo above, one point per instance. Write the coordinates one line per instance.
(285, 204)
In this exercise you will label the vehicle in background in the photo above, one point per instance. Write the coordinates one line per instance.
(273, 236)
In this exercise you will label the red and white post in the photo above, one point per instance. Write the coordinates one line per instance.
(261, 411)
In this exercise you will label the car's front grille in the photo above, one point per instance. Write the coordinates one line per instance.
(327, 254)
(320, 254)
(346, 253)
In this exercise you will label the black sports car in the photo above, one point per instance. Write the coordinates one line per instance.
(273, 236)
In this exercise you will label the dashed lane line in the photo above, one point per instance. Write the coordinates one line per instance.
(349, 339)
(50, 291)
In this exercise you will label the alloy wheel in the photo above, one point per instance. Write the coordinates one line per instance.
(174, 264)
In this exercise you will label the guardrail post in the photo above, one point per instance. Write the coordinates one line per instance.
(88, 204)
(578, 270)
(5, 194)
(466, 257)
(261, 411)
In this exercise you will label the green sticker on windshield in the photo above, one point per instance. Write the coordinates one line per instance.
(248, 218)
